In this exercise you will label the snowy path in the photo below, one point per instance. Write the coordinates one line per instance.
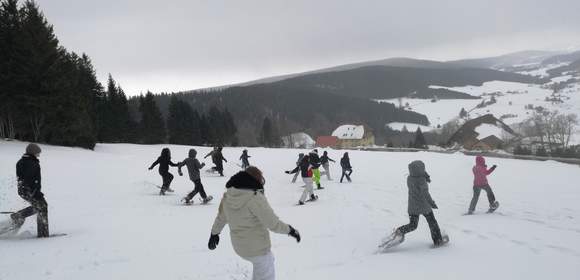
(118, 228)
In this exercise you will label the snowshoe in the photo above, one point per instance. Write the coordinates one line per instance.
(186, 201)
(443, 242)
(313, 197)
(300, 202)
(206, 200)
(392, 240)
(493, 207)
(320, 188)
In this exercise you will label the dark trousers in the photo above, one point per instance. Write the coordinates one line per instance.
(219, 167)
(198, 188)
(167, 178)
(38, 206)
(346, 172)
(433, 226)
(476, 192)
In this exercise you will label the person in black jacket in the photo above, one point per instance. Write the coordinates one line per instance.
(29, 188)
(325, 161)
(244, 157)
(164, 161)
(300, 156)
(346, 168)
(217, 158)
(305, 169)
(315, 164)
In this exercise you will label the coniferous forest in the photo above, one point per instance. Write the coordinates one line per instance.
(51, 95)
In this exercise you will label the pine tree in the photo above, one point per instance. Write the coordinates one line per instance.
(419, 142)
(269, 135)
(182, 123)
(152, 127)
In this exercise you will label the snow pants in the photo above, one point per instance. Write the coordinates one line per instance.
(433, 226)
(326, 167)
(38, 206)
(308, 189)
(316, 176)
(219, 167)
(167, 179)
(476, 192)
(198, 188)
(263, 267)
(346, 172)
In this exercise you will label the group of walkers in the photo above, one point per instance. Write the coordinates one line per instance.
(244, 206)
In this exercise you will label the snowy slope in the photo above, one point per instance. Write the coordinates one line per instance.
(118, 228)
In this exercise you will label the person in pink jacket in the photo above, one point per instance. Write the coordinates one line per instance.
(480, 173)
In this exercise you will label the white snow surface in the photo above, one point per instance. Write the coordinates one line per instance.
(349, 131)
(119, 228)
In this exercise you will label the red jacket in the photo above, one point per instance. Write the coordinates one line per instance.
(480, 172)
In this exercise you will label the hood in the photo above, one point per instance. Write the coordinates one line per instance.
(480, 161)
(238, 198)
(192, 153)
(417, 169)
(244, 181)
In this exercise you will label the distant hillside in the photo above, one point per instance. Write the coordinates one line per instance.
(386, 82)
(294, 110)
(506, 61)
(562, 58)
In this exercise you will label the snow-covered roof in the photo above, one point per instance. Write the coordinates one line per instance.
(484, 130)
(298, 140)
(349, 131)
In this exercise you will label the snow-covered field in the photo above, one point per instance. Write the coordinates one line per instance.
(119, 228)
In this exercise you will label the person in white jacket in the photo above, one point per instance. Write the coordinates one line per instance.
(250, 218)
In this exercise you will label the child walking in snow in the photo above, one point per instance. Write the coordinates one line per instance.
(164, 161)
(346, 168)
(250, 218)
(315, 165)
(217, 158)
(305, 170)
(193, 167)
(29, 188)
(420, 203)
(480, 173)
(244, 158)
(300, 156)
(325, 161)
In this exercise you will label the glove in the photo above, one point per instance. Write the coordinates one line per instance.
(214, 240)
(433, 205)
(294, 233)
(150, 168)
(493, 167)
(287, 172)
(428, 178)
(180, 173)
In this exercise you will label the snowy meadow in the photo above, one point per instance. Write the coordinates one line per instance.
(118, 227)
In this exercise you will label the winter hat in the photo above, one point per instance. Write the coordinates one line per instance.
(256, 173)
(479, 160)
(33, 149)
(192, 153)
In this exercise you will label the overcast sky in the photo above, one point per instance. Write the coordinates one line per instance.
(177, 45)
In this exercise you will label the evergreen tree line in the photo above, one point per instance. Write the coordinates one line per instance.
(47, 94)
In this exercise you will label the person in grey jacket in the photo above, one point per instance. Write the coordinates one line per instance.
(193, 167)
(300, 156)
(250, 218)
(420, 203)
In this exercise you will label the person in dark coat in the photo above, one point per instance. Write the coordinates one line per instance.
(193, 167)
(217, 158)
(164, 161)
(420, 203)
(315, 165)
(300, 156)
(346, 168)
(244, 158)
(305, 169)
(325, 161)
(29, 188)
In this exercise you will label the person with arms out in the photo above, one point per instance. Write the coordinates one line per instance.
(305, 169)
(246, 210)
(193, 167)
(480, 173)
(244, 158)
(164, 161)
(325, 161)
